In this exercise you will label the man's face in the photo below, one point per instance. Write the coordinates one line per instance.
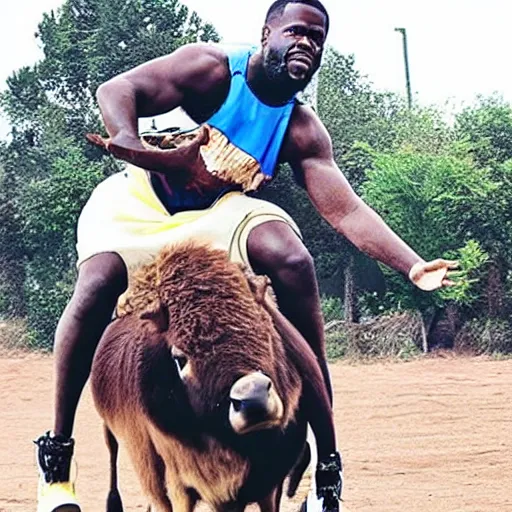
(293, 47)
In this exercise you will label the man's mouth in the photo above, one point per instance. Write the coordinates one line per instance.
(301, 57)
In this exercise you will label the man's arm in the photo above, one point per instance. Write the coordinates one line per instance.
(191, 72)
(159, 86)
(310, 154)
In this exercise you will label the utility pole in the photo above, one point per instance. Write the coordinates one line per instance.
(406, 60)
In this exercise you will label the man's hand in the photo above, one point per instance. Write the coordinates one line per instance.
(183, 165)
(432, 275)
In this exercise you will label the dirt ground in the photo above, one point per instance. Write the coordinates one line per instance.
(433, 435)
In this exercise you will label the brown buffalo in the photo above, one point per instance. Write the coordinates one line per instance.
(200, 377)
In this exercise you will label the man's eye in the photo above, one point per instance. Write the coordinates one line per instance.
(317, 39)
(294, 30)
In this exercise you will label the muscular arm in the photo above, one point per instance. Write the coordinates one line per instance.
(159, 86)
(311, 156)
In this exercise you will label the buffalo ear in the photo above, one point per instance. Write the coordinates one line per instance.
(158, 314)
(260, 287)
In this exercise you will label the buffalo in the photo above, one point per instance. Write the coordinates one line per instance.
(201, 378)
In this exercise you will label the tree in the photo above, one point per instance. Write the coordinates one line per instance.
(49, 170)
(436, 204)
(487, 130)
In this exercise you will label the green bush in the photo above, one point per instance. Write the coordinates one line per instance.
(332, 308)
(48, 288)
(50, 208)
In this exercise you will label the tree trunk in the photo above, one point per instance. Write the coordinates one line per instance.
(495, 292)
(351, 310)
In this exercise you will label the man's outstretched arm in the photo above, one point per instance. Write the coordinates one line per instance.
(349, 215)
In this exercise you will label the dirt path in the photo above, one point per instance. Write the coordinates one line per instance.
(431, 436)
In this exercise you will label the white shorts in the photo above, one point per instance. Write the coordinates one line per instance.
(125, 216)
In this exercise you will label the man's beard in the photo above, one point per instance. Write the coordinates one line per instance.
(276, 68)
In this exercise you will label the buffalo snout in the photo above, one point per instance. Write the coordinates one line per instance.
(255, 404)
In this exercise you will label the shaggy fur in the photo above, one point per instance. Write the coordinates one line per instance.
(174, 427)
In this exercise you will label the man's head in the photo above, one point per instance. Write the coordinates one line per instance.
(293, 40)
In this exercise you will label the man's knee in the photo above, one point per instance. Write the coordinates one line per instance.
(275, 249)
(100, 282)
(293, 268)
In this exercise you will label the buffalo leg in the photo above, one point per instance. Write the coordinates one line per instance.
(114, 503)
(150, 469)
(182, 500)
(298, 471)
(272, 501)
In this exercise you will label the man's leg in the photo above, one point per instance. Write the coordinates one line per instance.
(275, 249)
(101, 280)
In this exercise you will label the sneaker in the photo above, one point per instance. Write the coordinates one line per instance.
(329, 483)
(55, 492)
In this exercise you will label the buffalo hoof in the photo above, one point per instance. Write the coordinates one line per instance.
(114, 503)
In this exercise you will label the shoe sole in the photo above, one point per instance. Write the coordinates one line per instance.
(67, 508)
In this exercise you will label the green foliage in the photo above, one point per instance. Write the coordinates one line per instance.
(423, 130)
(472, 260)
(351, 109)
(85, 43)
(11, 263)
(48, 170)
(433, 202)
(89, 41)
(50, 209)
(332, 309)
(51, 205)
(487, 129)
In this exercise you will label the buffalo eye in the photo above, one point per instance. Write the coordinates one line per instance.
(180, 358)
(180, 361)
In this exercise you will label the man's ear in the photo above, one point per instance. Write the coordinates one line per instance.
(264, 35)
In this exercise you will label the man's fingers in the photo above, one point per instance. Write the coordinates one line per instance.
(441, 263)
(455, 273)
(96, 139)
(452, 263)
(448, 282)
(204, 136)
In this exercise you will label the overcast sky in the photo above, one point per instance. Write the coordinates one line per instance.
(457, 48)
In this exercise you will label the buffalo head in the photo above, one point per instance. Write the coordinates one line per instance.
(213, 354)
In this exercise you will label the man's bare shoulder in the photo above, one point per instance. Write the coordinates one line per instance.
(202, 65)
(202, 51)
(196, 67)
(307, 136)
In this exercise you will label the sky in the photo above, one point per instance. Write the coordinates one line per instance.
(457, 48)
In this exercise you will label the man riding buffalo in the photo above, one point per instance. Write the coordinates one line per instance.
(249, 121)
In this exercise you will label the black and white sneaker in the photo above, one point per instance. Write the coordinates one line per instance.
(329, 484)
(56, 493)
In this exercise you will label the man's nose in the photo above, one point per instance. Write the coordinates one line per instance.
(305, 42)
